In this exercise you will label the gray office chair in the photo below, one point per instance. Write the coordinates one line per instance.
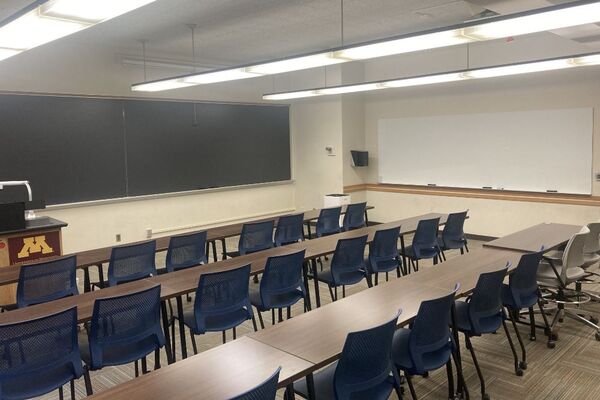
(591, 247)
(556, 277)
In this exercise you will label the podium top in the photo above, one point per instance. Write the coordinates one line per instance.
(37, 224)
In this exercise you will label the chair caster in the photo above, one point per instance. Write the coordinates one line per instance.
(532, 338)
(551, 345)
(519, 372)
(597, 336)
(561, 320)
(426, 375)
(522, 365)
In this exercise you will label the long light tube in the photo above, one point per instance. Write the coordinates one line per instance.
(468, 74)
(44, 22)
(549, 18)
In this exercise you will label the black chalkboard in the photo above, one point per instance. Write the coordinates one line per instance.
(76, 149)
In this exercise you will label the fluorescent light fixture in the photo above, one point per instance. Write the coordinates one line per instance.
(295, 64)
(219, 76)
(477, 73)
(90, 10)
(290, 95)
(39, 24)
(549, 18)
(404, 45)
(158, 86)
(424, 80)
(536, 22)
(521, 68)
(34, 29)
(6, 53)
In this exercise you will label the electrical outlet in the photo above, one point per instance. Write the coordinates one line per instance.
(598, 176)
(148, 233)
(118, 237)
(330, 150)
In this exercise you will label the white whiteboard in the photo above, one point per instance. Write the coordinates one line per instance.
(529, 150)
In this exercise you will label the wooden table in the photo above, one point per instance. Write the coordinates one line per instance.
(216, 374)
(549, 235)
(96, 257)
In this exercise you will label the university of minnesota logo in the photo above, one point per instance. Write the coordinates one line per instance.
(36, 244)
(32, 247)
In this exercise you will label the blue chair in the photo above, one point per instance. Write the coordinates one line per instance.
(328, 222)
(265, 391)
(289, 229)
(347, 266)
(424, 244)
(428, 345)
(383, 253)
(123, 329)
(222, 302)
(453, 235)
(482, 314)
(522, 293)
(364, 370)
(281, 286)
(39, 356)
(186, 251)
(47, 281)
(354, 218)
(129, 263)
(255, 237)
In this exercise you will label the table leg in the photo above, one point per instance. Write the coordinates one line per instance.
(461, 387)
(165, 321)
(214, 250)
(224, 248)
(289, 392)
(306, 285)
(87, 284)
(316, 281)
(403, 250)
(181, 327)
(308, 229)
(366, 218)
(101, 274)
(310, 387)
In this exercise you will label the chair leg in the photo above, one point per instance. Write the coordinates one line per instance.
(260, 319)
(272, 316)
(376, 278)
(532, 336)
(343, 291)
(224, 337)
(88, 381)
(144, 366)
(387, 276)
(413, 394)
(450, 375)
(466, 247)
(194, 345)
(369, 280)
(397, 384)
(156, 359)
(137, 368)
(289, 312)
(523, 363)
(518, 370)
(416, 266)
(280, 315)
(469, 345)
(444, 254)
(72, 385)
(335, 291)
(398, 272)
(548, 330)
(254, 320)
(234, 333)
(61, 393)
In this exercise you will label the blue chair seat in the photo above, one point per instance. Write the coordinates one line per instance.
(324, 389)
(526, 300)
(347, 278)
(216, 323)
(409, 252)
(401, 354)
(277, 301)
(115, 354)
(44, 382)
(463, 323)
(383, 266)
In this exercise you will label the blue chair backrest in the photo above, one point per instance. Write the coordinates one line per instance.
(123, 322)
(256, 237)
(222, 293)
(39, 355)
(453, 233)
(282, 276)
(523, 281)
(486, 300)
(290, 229)
(47, 281)
(265, 391)
(355, 216)
(424, 242)
(366, 360)
(186, 251)
(349, 257)
(383, 250)
(328, 222)
(430, 333)
(132, 262)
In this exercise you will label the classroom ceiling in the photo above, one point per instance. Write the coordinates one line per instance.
(239, 31)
